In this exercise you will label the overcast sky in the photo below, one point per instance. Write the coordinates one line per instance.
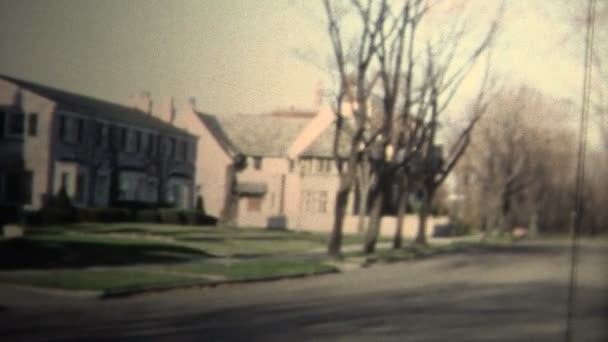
(233, 55)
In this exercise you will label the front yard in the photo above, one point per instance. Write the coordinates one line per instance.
(130, 256)
(110, 257)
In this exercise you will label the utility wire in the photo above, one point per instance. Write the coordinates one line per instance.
(580, 170)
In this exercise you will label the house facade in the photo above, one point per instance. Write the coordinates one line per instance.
(250, 179)
(275, 170)
(99, 152)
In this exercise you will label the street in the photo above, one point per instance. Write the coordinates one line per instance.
(516, 293)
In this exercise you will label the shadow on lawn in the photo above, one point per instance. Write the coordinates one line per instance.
(39, 254)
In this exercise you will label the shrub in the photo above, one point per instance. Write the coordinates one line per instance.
(9, 213)
(148, 216)
(57, 215)
(198, 217)
(104, 215)
(172, 216)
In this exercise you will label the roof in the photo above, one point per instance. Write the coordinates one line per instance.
(322, 146)
(98, 108)
(263, 135)
(251, 188)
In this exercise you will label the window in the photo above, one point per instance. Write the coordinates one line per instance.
(315, 201)
(292, 165)
(323, 165)
(79, 129)
(64, 180)
(184, 150)
(19, 187)
(123, 138)
(254, 204)
(32, 125)
(158, 144)
(150, 146)
(257, 163)
(80, 188)
(2, 118)
(172, 148)
(99, 132)
(16, 124)
(137, 141)
(63, 128)
(322, 202)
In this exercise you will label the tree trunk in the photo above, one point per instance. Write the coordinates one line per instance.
(422, 217)
(361, 209)
(401, 209)
(91, 186)
(375, 219)
(335, 242)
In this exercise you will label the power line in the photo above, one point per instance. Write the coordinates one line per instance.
(580, 170)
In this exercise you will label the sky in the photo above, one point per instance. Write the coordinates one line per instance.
(236, 56)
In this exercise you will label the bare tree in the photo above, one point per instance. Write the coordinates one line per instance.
(415, 87)
(520, 171)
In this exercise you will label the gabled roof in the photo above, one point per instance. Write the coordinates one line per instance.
(323, 145)
(255, 135)
(94, 107)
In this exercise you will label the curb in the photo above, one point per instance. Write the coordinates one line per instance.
(123, 293)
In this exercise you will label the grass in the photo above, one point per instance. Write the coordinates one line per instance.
(116, 279)
(255, 268)
(108, 257)
(103, 280)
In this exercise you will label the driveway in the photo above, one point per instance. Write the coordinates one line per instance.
(494, 294)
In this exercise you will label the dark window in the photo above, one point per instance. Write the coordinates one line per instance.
(150, 144)
(257, 163)
(184, 150)
(80, 188)
(79, 129)
(172, 148)
(158, 144)
(123, 139)
(16, 123)
(98, 133)
(64, 180)
(19, 187)
(62, 127)
(112, 136)
(292, 165)
(2, 118)
(32, 125)
(137, 141)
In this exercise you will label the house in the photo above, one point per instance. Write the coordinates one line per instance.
(248, 176)
(99, 152)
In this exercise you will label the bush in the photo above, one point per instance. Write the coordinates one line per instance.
(147, 216)
(104, 215)
(461, 228)
(172, 216)
(57, 215)
(9, 213)
(198, 217)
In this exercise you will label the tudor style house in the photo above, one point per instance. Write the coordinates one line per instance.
(99, 152)
(252, 180)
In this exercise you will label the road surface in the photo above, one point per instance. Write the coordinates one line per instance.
(500, 294)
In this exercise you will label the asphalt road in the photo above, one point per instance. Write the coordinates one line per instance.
(515, 294)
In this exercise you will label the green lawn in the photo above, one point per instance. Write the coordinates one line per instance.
(254, 268)
(107, 257)
(98, 279)
(129, 255)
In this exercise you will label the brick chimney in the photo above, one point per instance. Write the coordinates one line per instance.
(142, 101)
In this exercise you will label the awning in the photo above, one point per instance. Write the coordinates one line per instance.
(251, 188)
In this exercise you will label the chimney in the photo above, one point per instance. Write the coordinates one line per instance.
(167, 110)
(142, 102)
(192, 103)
